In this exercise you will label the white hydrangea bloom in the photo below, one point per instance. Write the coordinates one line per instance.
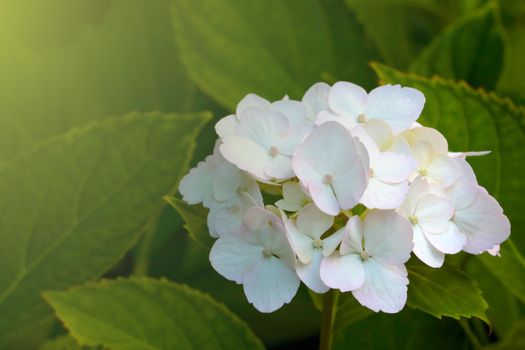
(331, 167)
(430, 214)
(389, 171)
(265, 139)
(351, 105)
(216, 183)
(294, 197)
(260, 258)
(305, 236)
(226, 126)
(370, 261)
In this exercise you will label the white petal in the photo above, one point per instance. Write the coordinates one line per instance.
(343, 272)
(288, 206)
(316, 99)
(347, 99)
(270, 284)
(264, 127)
(349, 186)
(418, 188)
(313, 222)
(436, 142)
(451, 241)
(352, 241)
(444, 170)
(301, 243)
(245, 154)
(294, 111)
(394, 167)
(328, 150)
(379, 131)
(250, 100)
(385, 287)
(279, 167)
(233, 256)
(310, 273)
(226, 180)
(434, 213)
(293, 193)
(483, 222)
(226, 126)
(323, 196)
(398, 106)
(196, 186)
(379, 195)
(328, 116)
(331, 242)
(211, 221)
(387, 236)
(425, 251)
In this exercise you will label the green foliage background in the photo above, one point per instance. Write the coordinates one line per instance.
(104, 104)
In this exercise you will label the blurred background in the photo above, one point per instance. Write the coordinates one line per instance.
(68, 63)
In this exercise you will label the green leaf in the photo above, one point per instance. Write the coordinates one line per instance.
(73, 206)
(504, 307)
(66, 342)
(407, 330)
(194, 217)
(143, 313)
(471, 50)
(475, 120)
(66, 63)
(401, 28)
(509, 268)
(444, 292)
(272, 48)
(515, 339)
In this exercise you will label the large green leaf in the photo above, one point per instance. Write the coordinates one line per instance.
(66, 342)
(271, 47)
(73, 206)
(471, 50)
(407, 330)
(143, 313)
(509, 268)
(194, 217)
(444, 292)
(476, 120)
(65, 63)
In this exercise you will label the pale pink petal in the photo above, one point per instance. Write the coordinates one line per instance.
(451, 241)
(301, 243)
(264, 127)
(398, 106)
(310, 273)
(343, 272)
(349, 186)
(387, 236)
(331, 242)
(483, 222)
(385, 287)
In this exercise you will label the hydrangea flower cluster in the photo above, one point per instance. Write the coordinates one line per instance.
(361, 186)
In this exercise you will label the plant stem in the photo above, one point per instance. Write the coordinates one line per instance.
(328, 317)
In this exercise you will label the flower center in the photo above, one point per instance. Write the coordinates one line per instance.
(361, 118)
(318, 243)
(413, 219)
(423, 172)
(364, 255)
(328, 179)
(370, 172)
(267, 253)
(273, 151)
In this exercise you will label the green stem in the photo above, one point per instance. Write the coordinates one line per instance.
(328, 317)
